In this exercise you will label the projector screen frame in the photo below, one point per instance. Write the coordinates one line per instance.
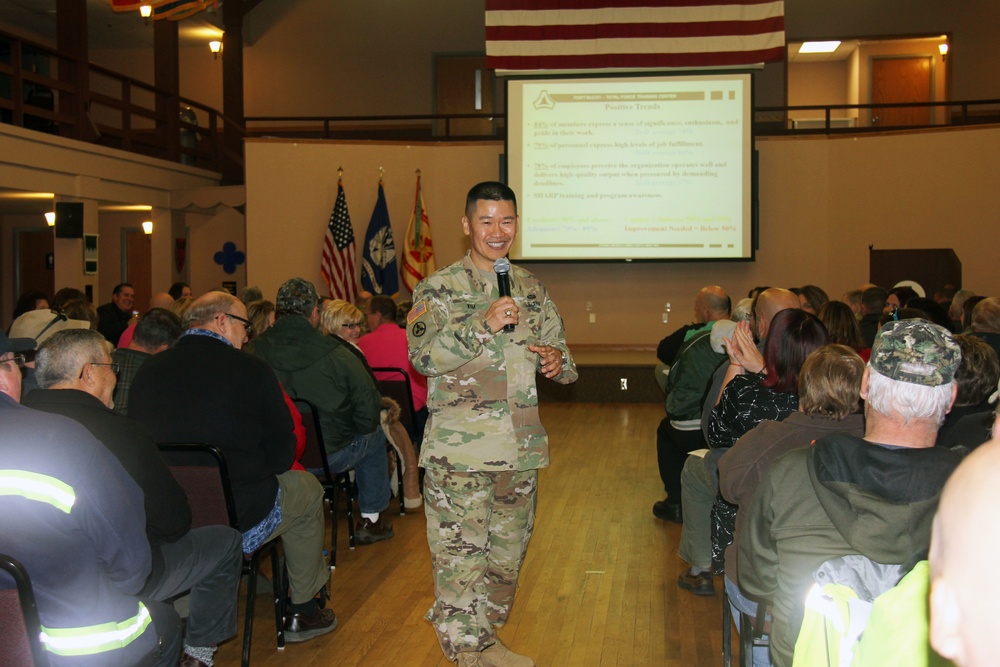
(751, 237)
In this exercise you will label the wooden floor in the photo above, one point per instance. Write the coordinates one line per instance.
(598, 587)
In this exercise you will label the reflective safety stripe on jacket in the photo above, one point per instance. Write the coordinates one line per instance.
(98, 638)
(34, 486)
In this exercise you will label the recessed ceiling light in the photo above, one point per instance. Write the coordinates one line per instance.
(818, 47)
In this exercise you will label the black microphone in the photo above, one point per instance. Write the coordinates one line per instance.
(502, 268)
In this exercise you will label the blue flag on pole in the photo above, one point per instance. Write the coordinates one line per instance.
(379, 273)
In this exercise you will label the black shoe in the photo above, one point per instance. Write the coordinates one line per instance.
(367, 532)
(301, 628)
(699, 584)
(665, 511)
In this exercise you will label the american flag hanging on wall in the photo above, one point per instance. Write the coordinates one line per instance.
(599, 34)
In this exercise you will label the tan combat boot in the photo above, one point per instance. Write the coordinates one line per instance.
(499, 655)
(468, 659)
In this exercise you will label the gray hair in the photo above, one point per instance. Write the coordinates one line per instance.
(62, 356)
(743, 310)
(207, 307)
(907, 400)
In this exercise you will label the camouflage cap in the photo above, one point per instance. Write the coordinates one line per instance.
(296, 295)
(916, 351)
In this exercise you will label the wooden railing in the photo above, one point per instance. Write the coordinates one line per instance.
(40, 89)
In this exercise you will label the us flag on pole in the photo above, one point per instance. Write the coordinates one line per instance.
(598, 34)
(339, 251)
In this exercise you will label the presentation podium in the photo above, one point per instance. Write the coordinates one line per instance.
(932, 268)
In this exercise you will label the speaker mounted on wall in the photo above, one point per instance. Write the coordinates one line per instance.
(69, 220)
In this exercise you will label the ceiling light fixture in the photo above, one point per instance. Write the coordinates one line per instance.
(818, 47)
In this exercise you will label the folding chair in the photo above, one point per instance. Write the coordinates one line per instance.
(756, 636)
(313, 459)
(202, 472)
(19, 625)
(398, 389)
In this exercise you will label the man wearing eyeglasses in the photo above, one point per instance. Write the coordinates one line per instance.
(76, 378)
(205, 389)
(73, 517)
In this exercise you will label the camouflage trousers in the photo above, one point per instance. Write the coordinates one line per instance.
(478, 527)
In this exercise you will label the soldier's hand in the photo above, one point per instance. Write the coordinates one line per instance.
(552, 359)
(501, 312)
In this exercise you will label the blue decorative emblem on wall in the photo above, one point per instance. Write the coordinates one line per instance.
(229, 257)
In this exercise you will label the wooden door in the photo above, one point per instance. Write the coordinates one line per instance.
(463, 85)
(35, 271)
(901, 80)
(138, 267)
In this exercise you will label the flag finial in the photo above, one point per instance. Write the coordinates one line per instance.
(340, 172)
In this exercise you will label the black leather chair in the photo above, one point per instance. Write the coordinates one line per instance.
(202, 472)
(19, 625)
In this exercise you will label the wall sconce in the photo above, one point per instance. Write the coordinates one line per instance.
(147, 227)
(50, 218)
(943, 50)
(146, 11)
(215, 46)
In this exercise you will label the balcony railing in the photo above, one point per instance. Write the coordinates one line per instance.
(40, 89)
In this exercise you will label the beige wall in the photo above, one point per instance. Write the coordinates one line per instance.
(822, 201)
(818, 83)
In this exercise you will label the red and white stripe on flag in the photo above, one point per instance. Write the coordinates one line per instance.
(617, 34)
(339, 252)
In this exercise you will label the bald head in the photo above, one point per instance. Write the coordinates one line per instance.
(711, 304)
(160, 300)
(964, 546)
(771, 302)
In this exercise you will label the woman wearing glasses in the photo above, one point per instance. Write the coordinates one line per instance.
(342, 319)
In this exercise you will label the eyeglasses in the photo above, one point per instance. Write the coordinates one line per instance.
(247, 324)
(15, 362)
(112, 365)
(351, 325)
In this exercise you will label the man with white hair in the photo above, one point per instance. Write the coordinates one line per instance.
(964, 545)
(846, 495)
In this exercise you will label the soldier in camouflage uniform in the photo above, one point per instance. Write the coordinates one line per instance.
(484, 443)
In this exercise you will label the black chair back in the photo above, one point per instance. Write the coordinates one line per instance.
(19, 624)
(202, 472)
(397, 387)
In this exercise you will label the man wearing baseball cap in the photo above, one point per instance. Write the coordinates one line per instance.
(874, 496)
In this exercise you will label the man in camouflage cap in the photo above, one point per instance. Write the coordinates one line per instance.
(846, 495)
(484, 443)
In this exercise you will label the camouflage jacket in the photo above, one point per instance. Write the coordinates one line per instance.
(481, 395)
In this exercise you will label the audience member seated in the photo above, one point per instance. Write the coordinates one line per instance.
(842, 327)
(39, 325)
(386, 345)
(323, 371)
(936, 313)
(986, 322)
(692, 366)
(829, 399)
(763, 308)
(179, 291)
(155, 331)
(824, 501)
(66, 294)
(977, 379)
(964, 545)
(205, 389)
(181, 306)
(812, 298)
(79, 533)
(82, 310)
(261, 314)
(967, 308)
(769, 392)
(114, 317)
(344, 321)
(853, 299)
(30, 301)
(957, 308)
(899, 297)
(158, 300)
(873, 302)
(76, 379)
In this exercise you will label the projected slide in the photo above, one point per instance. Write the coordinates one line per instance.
(631, 168)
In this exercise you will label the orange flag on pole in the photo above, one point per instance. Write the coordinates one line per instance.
(418, 251)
